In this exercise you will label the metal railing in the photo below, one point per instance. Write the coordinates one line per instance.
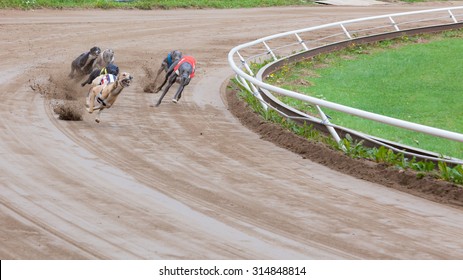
(300, 44)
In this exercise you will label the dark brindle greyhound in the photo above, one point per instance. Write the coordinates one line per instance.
(83, 63)
(171, 58)
(182, 72)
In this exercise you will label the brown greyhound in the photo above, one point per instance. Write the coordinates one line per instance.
(106, 94)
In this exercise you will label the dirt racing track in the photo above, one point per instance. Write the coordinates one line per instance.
(186, 180)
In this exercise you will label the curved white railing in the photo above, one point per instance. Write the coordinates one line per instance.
(284, 45)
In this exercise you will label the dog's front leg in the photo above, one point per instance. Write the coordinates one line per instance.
(178, 94)
(183, 83)
(97, 119)
(95, 73)
(172, 79)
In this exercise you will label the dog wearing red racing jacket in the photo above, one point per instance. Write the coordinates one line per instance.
(182, 71)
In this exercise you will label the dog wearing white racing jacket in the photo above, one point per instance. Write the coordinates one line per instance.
(103, 95)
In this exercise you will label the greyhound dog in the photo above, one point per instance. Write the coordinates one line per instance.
(109, 69)
(181, 71)
(101, 80)
(106, 93)
(171, 57)
(104, 58)
(83, 64)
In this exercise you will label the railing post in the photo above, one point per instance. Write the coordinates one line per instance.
(332, 131)
(253, 88)
(453, 17)
(394, 24)
(270, 51)
(345, 31)
(245, 64)
(244, 83)
(301, 42)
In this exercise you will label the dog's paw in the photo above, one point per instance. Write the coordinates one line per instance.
(97, 120)
(175, 100)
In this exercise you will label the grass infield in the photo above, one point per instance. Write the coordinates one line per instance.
(414, 79)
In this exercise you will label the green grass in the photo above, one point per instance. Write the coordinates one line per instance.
(420, 83)
(355, 149)
(147, 4)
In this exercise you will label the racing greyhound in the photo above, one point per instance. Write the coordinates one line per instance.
(82, 65)
(181, 71)
(170, 59)
(107, 93)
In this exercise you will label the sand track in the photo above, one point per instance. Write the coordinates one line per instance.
(187, 180)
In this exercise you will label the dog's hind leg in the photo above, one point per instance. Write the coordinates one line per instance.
(87, 99)
(157, 75)
(95, 73)
(169, 73)
(91, 98)
(163, 83)
(74, 67)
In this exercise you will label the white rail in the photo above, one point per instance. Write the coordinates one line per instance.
(280, 46)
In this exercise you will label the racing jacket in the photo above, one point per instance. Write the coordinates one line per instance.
(188, 59)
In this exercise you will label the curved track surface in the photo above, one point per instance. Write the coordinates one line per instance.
(186, 180)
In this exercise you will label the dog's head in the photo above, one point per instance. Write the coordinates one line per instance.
(176, 55)
(125, 79)
(108, 55)
(95, 51)
(112, 69)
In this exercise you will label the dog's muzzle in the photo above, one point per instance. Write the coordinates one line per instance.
(126, 81)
